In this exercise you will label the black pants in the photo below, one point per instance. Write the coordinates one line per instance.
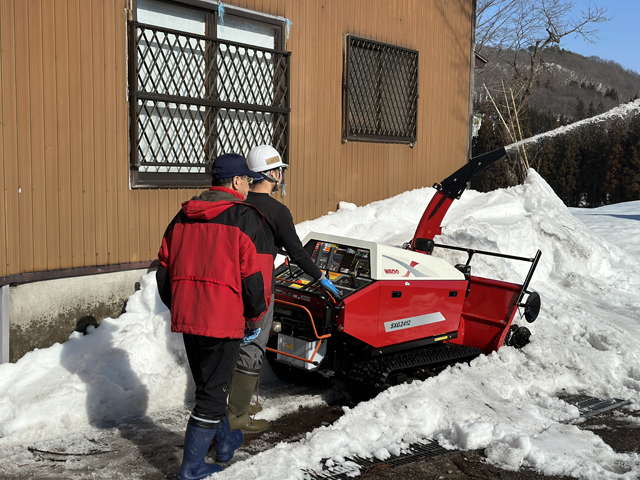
(212, 362)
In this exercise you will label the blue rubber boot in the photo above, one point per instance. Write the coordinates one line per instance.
(196, 444)
(227, 441)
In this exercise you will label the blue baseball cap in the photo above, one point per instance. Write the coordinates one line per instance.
(230, 165)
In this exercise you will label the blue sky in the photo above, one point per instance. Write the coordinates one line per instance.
(619, 38)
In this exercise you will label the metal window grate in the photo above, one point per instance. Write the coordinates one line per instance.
(195, 97)
(380, 97)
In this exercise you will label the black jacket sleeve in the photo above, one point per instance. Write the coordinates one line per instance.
(164, 285)
(253, 297)
(287, 238)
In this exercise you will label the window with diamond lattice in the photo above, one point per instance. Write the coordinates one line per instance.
(380, 97)
(202, 85)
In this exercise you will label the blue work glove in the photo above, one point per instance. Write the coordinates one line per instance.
(330, 287)
(250, 334)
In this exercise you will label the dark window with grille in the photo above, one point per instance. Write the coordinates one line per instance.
(202, 85)
(380, 95)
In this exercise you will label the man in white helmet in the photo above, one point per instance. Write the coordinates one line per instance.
(281, 232)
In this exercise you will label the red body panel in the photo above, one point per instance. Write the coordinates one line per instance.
(423, 309)
(359, 318)
(487, 313)
(431, 220)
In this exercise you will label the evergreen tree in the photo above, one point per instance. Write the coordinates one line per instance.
(580, 111)
(592, 165)
(548, 162)
(612, 94)
(591, 111)
(488, 139)
(614, 162)
(540, 121)
(568, 167)
(630, 182)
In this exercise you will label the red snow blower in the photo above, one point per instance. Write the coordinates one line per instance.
(404, 313)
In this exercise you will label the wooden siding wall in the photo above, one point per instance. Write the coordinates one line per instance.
(65, 199)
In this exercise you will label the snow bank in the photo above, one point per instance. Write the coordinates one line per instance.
(125, 368)
(584, 341)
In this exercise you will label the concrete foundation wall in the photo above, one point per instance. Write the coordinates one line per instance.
(44, 313)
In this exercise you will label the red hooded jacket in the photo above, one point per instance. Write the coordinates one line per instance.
(215, 266)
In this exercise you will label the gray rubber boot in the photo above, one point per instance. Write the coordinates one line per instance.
(242, 387)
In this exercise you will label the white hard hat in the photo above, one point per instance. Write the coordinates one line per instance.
(263, 158)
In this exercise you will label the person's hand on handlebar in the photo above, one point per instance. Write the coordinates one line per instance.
(330, 287)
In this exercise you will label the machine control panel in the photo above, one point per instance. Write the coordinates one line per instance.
(349, 268)
(342, 259)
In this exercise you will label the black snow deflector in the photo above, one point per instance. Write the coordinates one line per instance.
(447, 191)
(455, 184)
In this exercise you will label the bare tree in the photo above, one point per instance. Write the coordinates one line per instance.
(518, 32)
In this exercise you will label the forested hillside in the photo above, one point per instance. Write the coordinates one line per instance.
(570, 86)
(595, 164)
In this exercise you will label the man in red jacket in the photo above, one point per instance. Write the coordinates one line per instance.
(215, 276)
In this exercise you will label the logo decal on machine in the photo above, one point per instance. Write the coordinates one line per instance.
(409, 268)
(411, 322)
(392, 271)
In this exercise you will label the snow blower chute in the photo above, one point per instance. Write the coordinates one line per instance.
(404, 313)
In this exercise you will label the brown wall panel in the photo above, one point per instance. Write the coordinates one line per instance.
(23, 123)
(64, 115)
(135, 245)
(75, 135)
(334, 102)
(99, 130)
(87, 129)
(143, 233)
(3, 225)
(111, 160)
(296, 128)
(37, 160)
(153, 223)
(164, 217)
(62, 124)
(307, 115)
(10, 254)
(51, 160)
(287, 6)
(125, 209)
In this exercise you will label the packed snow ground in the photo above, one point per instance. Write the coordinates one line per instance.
(584, 341)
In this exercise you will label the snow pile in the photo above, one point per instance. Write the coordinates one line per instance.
(122, 369)
(584, 341)
(127, 368)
